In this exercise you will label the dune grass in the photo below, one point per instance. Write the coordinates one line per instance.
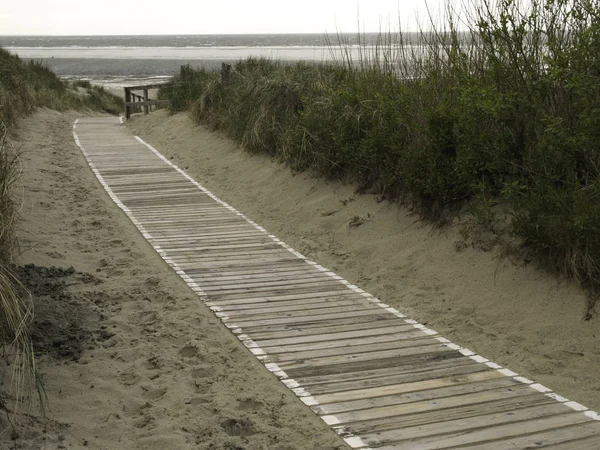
(502, 117)
(25, 86)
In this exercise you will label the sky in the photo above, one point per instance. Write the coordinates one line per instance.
(123, 17)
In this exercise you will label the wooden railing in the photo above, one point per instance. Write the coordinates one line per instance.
(135, 102)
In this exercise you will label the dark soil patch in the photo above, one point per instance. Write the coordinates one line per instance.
(65, 322)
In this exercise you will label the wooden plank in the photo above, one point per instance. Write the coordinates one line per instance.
(404, 404)
(201, 236)
(147, 103)
(369, 392)
(150, 86)
(309, 301)
(200, 222)
(478, 393)
(394, 378)
(460, 438)
(340, 325)
(312, 365)
(303, 285)
(407, 435)
(584, 437)
(338, 334)
(309, 319)
(294, 267)
(440, 416)
(378, 361)
(227, 256)
(241, 238)
(282, 294)
(429, 367)
(297, 275)
(299, 314)
(273, 263)
(234, 311)
(354, 350)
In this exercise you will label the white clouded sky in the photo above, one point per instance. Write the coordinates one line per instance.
(83, 17)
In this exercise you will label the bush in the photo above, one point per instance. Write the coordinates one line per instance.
(508, 111)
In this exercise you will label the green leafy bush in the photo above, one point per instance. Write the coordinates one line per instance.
(508, 111)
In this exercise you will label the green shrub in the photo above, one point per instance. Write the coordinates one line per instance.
(508, 113)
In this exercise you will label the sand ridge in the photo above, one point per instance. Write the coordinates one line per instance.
(513, 314)
(154, 369)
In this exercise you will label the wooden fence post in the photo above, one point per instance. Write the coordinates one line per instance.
(127, 106)
(146, 107)
(225, 74)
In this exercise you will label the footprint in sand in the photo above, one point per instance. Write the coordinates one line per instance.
(238, 427)
(129, 378)
(194, 349)
(250, 405)
(153, 393)
(198, 401)
(135, 409)
(144, 422)
(189, 351)
(202, 372)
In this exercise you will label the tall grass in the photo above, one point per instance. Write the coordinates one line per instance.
(16, 308)
(25, 86)
(505, 114)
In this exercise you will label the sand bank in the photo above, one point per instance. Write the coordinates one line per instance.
(514, 314)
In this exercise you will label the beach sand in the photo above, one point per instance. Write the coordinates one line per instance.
(510, 312)
(129, 356)
(131, 359)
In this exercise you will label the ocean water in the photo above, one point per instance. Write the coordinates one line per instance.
(117, 61)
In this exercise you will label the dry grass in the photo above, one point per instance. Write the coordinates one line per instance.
(16, 307)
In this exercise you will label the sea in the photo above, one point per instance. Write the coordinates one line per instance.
(118, 61)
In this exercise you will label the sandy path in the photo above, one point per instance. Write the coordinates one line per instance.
(515, 315)
(130, 357)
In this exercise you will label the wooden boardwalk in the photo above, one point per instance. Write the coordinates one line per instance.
(378, 378)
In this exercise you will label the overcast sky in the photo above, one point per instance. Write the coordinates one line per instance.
(81, 17)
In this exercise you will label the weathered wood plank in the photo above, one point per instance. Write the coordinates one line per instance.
(446, 399)
(395, 378)
(441, 416)
(408, 435)
(461, 438)
(148, 103)
(371, 392)
(355, 350)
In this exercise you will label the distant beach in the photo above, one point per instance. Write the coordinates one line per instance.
(116, 61)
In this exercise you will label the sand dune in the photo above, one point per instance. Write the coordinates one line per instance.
(509, 312)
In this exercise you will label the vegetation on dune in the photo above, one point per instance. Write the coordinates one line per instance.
(503, 118)
(24, 87)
